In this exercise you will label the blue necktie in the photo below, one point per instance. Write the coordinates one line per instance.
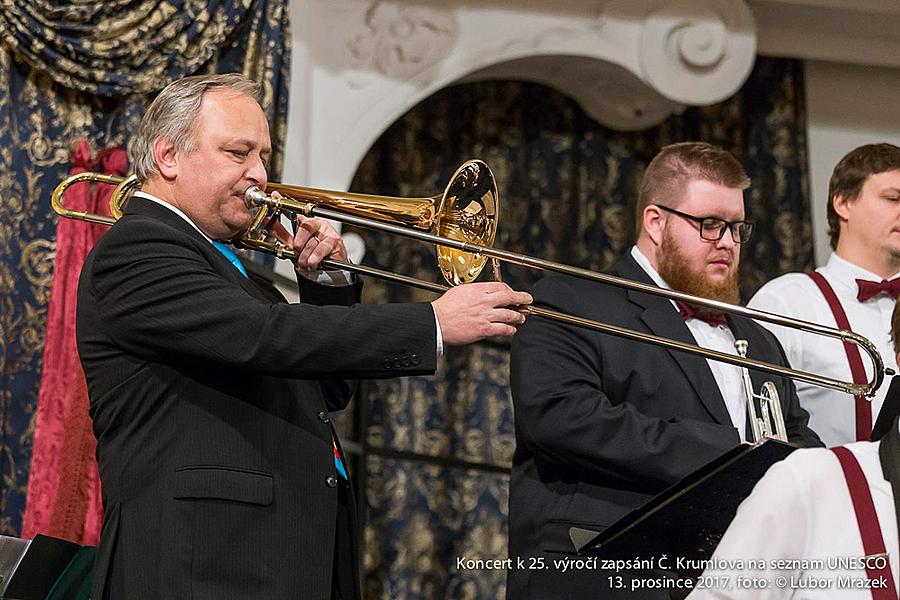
(228, 253)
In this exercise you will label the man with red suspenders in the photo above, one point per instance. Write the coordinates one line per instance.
(854, 290)
(820, 524)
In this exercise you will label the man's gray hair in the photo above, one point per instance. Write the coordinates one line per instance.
(173, 115)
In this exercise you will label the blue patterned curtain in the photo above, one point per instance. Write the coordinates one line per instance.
(568, 188)
(73, 70)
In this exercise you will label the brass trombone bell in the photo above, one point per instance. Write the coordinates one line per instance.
(467, 211)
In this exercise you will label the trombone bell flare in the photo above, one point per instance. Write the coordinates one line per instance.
(468, 211)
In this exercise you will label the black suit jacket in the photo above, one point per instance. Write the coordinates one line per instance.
(604, 423)
(209, 397)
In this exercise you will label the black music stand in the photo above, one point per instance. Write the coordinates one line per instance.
(889, 412)
(689, 518)
(49, 569)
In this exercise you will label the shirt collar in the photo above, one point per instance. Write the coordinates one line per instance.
(173, 208)
(846, 273)
(644, 263)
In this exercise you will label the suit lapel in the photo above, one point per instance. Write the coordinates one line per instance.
(141, 206)
(235, 276)
(661, 319)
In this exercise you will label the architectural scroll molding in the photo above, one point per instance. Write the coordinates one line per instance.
(399, 41)
(697, 52)
(360, 64)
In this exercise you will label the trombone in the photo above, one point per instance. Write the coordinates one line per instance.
(462, 223)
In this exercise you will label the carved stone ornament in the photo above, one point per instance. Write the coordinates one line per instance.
(698, 52)
(401, 41)
(628, 63)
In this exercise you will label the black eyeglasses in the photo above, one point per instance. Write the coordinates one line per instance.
(713, 229)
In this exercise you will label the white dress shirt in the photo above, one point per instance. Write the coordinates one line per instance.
(320, 276)
(801, 509)
(831, 413)
(728, 377)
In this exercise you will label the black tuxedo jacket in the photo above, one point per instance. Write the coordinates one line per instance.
(210, 397)
(604, 423)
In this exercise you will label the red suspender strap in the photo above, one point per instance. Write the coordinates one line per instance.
(863, 406)
(867, 519)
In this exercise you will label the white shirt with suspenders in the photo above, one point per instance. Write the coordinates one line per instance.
(800, 526)
(833, 414)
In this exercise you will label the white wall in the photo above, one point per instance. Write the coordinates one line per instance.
(848, 105)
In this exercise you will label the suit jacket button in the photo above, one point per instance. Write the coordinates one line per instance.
(415, 361)
(388, 363)
(323, 416)
(331, 480)
(398, 363)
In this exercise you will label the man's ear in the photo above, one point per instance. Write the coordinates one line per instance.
(166, 157)
(654, 223)
(841, 204)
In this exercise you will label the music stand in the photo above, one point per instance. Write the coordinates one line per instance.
(689, 518)
(48, 569)
(889, 412)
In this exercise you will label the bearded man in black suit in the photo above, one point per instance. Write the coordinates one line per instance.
(604, 423)
(210, 396)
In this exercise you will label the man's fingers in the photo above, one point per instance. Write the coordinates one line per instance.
(509, 297)
(306, 240)
(310, 225)
(491, 287)
(306, 252)
(315, 241)
(501, 294)
(501, 329)
(520, 298)
(281, 234)
(321, 251)
(302, 237)
(506, 315)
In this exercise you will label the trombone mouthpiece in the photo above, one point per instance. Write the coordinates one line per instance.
(253, 197)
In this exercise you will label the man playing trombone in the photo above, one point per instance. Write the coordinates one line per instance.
(210, 396)
(602, 423)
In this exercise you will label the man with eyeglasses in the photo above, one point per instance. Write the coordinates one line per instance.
(854, 290)
(604, 423)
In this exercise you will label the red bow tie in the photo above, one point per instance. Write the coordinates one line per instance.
(689, 312)
(870, 289)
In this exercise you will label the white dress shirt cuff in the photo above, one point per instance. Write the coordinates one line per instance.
(440, 339)
(331, 278)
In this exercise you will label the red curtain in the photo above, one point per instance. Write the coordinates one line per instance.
(64, 489)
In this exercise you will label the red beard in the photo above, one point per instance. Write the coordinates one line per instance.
(674, 269)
